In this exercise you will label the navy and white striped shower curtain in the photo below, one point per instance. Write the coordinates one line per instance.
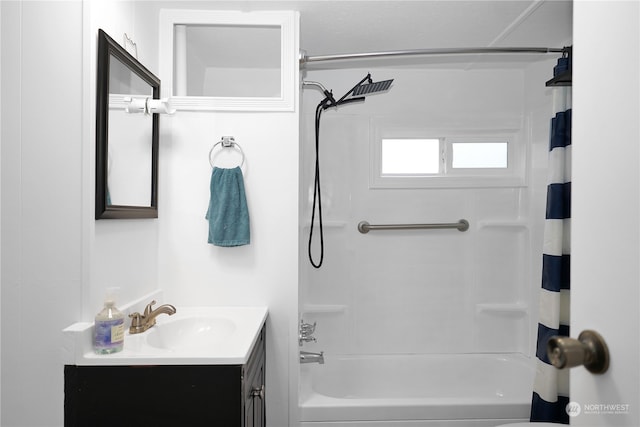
(551, 386)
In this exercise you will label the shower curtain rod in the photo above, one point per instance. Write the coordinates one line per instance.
(304, 58)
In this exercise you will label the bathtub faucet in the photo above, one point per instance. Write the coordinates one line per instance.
(305, 334)
(309, 357)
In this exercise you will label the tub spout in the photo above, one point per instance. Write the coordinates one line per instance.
(309, 357)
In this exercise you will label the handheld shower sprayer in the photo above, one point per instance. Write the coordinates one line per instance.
(356, 93)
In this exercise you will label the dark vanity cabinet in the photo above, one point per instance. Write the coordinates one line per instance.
(168, 395)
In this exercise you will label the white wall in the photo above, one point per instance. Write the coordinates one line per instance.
(433, 286)
(57, 260)
(605, 238)
(41, 203)
(193, 272)
(121, 253)
(0, 221)
(172, 252)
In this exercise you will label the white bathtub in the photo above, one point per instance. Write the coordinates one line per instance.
(479, 390)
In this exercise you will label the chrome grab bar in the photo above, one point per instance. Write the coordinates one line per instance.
(364, 227)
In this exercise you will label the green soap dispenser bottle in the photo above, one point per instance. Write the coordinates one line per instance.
(108, 334)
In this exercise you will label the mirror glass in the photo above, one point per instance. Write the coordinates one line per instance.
(126, 136)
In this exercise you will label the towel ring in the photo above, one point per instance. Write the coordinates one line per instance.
(227, 142)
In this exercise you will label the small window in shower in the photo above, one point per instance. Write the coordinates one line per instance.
(479, 155)
(410, 156)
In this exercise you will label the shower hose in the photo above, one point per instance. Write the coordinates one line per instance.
(317, 198)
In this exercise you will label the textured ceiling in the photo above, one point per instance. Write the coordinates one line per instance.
(391, 25)
(330, 27)
(339, 26)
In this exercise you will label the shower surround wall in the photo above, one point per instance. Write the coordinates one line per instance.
(425, 292)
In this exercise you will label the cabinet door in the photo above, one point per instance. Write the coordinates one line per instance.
(254, 405)
(254, 388)
(258, 401)
(163, 396)
(249, 413)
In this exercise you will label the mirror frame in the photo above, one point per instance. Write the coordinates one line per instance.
(108, 49)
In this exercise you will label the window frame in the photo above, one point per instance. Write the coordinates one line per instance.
(514, 175)
(287, 21)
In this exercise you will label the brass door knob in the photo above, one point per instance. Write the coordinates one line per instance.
(589, 350)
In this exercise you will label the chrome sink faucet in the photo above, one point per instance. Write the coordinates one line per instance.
(142, 322)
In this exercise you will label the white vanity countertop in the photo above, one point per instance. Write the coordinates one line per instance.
(192, 336)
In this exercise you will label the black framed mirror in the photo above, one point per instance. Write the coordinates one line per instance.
(126, 135)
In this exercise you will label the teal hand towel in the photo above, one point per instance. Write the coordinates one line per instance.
(228, 214)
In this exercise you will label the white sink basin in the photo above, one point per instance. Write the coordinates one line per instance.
(192, 336)
(197, 334)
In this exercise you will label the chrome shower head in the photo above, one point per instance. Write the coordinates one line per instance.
(371, 87)
(356, 94)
